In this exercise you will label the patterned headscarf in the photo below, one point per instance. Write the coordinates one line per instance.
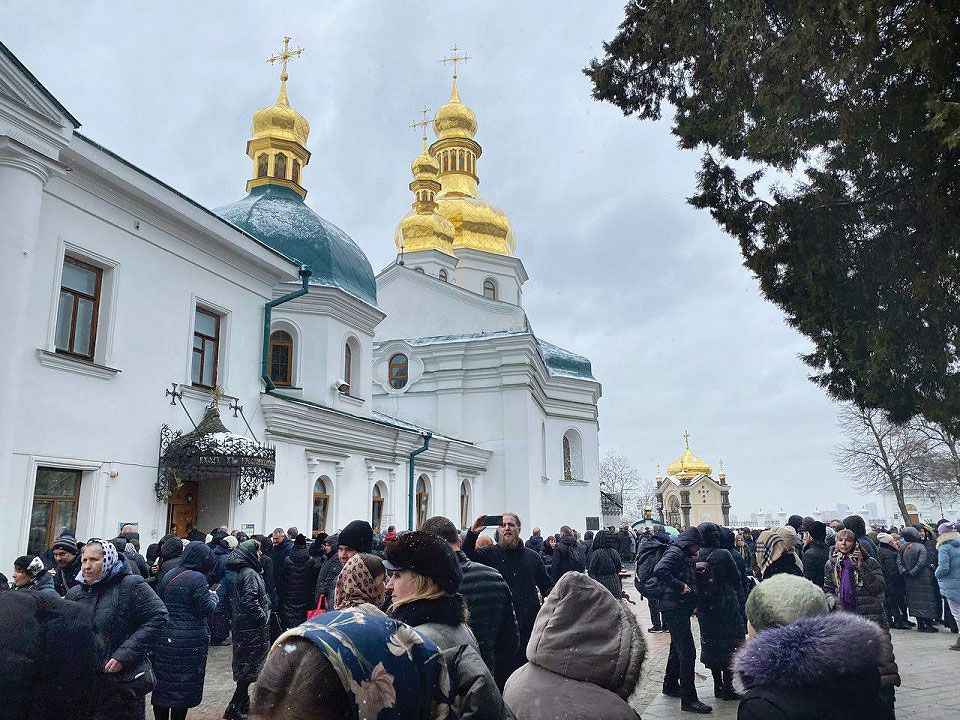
(355, 586)
(773, 544)
(111, 562)
(387, 668)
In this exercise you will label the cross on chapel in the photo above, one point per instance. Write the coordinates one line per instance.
(284, 57)
(455, 58)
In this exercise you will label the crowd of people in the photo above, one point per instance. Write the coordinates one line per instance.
(442, 623)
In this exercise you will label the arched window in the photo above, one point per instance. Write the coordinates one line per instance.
(376, 506)
(543, 449)
(442, 275)
(674, 516)
(262, 159)
(465, 519)
(419, 270)
(321, 505)
(280, 166)
(461, 162)
(446, 162)
(398, 371)
(423, 500)
(347, 367)
(572, 456)
(281, 358)
(490, 289)
(295, 171)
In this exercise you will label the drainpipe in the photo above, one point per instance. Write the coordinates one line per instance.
(426, 444)
(267, 316)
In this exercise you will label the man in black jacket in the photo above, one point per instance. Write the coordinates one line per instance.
(490, 602)
(520, 566)
(815, 552)
(649, 553)
(567, 556)
(676, 576)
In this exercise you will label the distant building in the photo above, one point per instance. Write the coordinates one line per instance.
(688, 494)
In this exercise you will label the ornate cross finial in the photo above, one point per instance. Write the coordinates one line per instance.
(455, 58)
(424, 124)
(236, 407)
(721, 464)
(658, 469)
(284, 57)
(173, 394)
(686, 438)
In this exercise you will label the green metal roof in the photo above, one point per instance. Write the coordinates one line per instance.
(278, 217)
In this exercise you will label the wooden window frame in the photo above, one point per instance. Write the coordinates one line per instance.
(204, 338)
(77, 296)
(406, 374)
(52, 530)
(493, 289)
(326, 508)
(423, 501)
(376, 500)
(289, 344)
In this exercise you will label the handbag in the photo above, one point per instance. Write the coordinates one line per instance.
(139, 680)
(320, 608)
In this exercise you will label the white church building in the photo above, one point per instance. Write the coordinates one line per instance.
(165, 364)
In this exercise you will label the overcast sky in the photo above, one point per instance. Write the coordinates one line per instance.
(621, 268)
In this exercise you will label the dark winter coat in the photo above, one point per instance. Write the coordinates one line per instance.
(676, 569)
(300, 575)
(648, 555)
(567, 556)
(604, 564)
(869, 592)
(814, 559)
(893, 585)
(171, 550)
(492, 619)
(180, 651)
(269, 572)
(817, 668)
(786, 564)
(250, 610)
(66, 576)
(127, 617)
(535, 543)
(721, 627)
(441, 619)
(43, 586)
(523, 571)
(914, 564)
(327, 579)
(278, 554)
(48, 656)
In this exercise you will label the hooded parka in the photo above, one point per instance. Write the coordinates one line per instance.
(250, 613)
(584, 656)
(300, 578)
(948, 565)
(180, 651)
(721, 627)
(915, 564)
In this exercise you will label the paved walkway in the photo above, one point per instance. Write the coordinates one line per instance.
(928, 668)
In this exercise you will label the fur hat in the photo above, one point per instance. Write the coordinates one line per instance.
(817, 530)
(855, 523)
(229, 541)
(885, 538)
(67, 543)
(300, 541)
(782, 599)
(426, 555)
(945, 528)
(357, 535)
(796, 522)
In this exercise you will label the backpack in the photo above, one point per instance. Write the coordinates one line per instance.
(644, 574)
(707, 585)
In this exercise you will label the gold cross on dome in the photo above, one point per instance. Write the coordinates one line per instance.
(455, 58)
(284, 57)
(423, 124)
(686, 438)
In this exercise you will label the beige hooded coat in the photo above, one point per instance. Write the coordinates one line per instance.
(584, 656)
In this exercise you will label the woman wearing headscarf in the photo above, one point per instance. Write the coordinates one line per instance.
(180, 651)
(30, 574)
(853, 582)
(426, 578)
(127, 617)
(775, 553)
(916, 567)
(603, 563)
(721, 626)
(361, 665)
(250, 614)
(360, 585)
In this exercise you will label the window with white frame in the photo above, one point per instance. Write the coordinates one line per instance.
(572, 456)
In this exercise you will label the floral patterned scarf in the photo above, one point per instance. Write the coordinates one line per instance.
(356, 586)
(386, 667)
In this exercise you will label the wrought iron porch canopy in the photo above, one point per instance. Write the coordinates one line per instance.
(211, 449)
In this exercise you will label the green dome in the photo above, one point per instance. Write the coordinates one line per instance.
(278, 217)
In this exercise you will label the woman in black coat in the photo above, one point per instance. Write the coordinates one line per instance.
(180, 652)
(300, 578)
(916, 565)
(603, 564)
(894, 593)
(171, 549)
(127, 616)
(721, 620)
(250, 610)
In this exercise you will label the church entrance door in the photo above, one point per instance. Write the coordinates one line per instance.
(182, 509)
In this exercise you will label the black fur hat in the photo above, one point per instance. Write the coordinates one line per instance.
(426, 555)
(357, 535)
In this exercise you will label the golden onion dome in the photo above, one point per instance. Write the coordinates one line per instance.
(424, 165)
(688, 466)
(454, 119)
(478, 224)
(424, 231)
(280, 121)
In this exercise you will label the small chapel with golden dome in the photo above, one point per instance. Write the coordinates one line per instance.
(689, 494)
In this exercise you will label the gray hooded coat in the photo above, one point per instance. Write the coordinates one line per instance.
(584, 657)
